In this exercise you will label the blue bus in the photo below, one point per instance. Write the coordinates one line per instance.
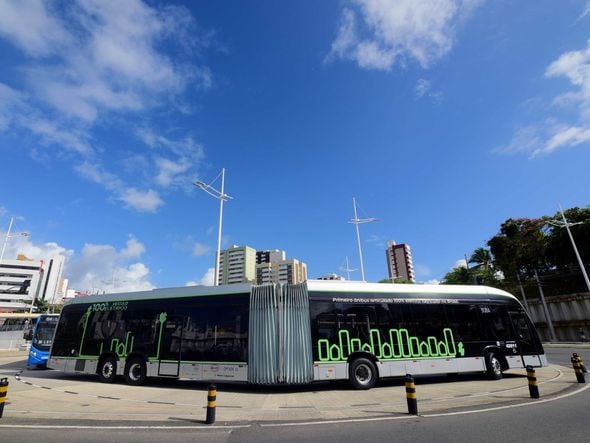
(41, 336)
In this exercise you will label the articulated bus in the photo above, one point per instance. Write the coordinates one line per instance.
(295, 334)
(41, 337)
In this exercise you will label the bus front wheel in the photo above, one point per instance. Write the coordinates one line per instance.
(107, 369)
(493, 366)
(362, 373)
(135, 372)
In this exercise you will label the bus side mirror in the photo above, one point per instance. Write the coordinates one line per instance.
(28, 335)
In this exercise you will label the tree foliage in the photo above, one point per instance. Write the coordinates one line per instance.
(524, 246)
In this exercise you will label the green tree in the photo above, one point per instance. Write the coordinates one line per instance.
(42, 305)
(481, 258)
(396, 280)
(458, 276)
(520, 247)
(559, 248)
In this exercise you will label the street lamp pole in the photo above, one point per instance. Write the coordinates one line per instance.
(580, 262)
(7, 236)
(356, 222)
(221, 196)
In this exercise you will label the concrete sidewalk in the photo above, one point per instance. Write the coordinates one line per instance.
(37, 396)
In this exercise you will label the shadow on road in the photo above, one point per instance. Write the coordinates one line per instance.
(337, 386)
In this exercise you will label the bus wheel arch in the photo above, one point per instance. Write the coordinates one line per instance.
(495, 363)
(136, 370)
(362, 371)
(107, 368)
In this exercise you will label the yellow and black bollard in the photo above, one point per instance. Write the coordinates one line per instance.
(582, 366)
(211, 404)
(411, 395)
(3, 391)
(578, 368)
(533, 387)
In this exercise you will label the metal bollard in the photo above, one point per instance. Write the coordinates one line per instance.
(411, 395)
(584, 369)
(211, 404)
(578, 368)
(3, 391)
(533, 387)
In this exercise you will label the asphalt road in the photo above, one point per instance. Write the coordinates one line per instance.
(564, 419)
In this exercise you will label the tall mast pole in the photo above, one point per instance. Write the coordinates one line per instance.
(6, 237)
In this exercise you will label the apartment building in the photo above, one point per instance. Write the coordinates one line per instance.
(237, 265)
(399, 261)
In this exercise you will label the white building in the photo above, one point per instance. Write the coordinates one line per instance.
(24, 280)
(237, 265)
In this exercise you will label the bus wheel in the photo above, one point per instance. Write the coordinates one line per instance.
(135, 372)
(493, 366)
(107, 369)
(362, 374)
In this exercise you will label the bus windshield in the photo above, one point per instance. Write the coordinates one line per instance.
(43, 334)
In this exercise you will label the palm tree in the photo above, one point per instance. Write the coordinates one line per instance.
(482, 257)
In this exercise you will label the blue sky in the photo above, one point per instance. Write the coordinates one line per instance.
(443, 118)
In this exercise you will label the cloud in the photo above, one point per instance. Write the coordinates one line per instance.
(94, 64)
(424, 89)
(169, 170)
(133, 248)
(199, 250)
(552, 135)
(461, 263)
(142, 201)
(94, 56)
(377, 34)
(585, 12)
(104, 268)
(97, 268)
(206, 280)
(209, 278)
(28, 24)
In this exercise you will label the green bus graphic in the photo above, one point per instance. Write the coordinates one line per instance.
(400, 345)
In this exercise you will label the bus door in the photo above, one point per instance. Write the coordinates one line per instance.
(171, 346)
(525, 341)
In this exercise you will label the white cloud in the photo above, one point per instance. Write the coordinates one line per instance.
(424, 89)
(89, 59)
(96, 268)
(29, 25)
(209, 278)
(461, 263)
(169, 171)
(142, 201)
(133, 248)
(552, 135)
(105, 55)
(394, 31)
(585, 12)
(199, 250)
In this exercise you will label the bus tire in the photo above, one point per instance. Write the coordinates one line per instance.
(362, 373)
(493, 366)
(135, 371)
(107, 369)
